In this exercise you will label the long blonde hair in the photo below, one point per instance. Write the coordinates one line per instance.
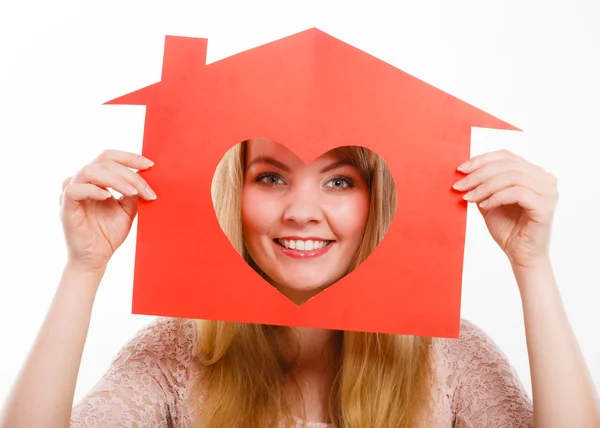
(379, 380)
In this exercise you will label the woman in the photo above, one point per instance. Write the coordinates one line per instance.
(215, 374)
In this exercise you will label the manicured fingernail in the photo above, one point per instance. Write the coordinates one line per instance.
(147, 161)
(148, 191)
(469, 196)
(130, 189)
(465, 166)
(460, 184)
(484, 203)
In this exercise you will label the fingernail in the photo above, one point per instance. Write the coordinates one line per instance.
(148, 161)
(460, 184)
(130, 189)
(469, 195)
(150, 193)
(484, 203)
(465, 166)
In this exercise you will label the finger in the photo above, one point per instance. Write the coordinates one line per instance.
(535, 205)
(66, 181)
(508, 180)
(101, 176)
(84, 191)
(140, 185)
(479, 161)
(131, 160)
(500, 175)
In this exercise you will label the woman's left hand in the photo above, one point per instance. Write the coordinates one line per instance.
(517, 201)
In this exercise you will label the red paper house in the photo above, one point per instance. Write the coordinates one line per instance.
(312, 93)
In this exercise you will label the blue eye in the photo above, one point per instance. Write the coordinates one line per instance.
(340, 183)
(269, 179)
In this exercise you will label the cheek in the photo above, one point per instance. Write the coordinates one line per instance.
(259, 213)
(348, 218)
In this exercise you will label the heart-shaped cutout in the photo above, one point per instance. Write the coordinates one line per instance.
(303, 227)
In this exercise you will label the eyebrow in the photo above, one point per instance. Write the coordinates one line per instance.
(269, 161)
(274, 162)
(335, 165)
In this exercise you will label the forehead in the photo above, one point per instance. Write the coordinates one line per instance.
(263, 147)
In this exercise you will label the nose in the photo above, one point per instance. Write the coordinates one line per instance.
(303, 206)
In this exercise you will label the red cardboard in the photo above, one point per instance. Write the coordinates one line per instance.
(312, 93)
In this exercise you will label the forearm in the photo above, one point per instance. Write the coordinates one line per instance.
(43, 392)
(563, 391)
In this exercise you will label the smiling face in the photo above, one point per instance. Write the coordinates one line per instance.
(302, 224)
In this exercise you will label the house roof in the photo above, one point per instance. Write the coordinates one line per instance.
(309, 69)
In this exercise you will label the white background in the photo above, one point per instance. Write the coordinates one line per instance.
(534, 64)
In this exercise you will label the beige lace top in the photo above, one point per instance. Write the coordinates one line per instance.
(148, 383)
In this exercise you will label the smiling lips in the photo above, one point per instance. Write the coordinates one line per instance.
(302, 245)
(302, 248)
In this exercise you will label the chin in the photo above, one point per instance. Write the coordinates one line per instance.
(305, 284)
(304, 287)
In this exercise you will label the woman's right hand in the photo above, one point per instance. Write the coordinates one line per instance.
(95, 224)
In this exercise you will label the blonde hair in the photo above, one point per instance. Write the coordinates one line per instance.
(379, 380)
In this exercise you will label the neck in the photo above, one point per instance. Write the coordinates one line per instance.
(314, 371)
(316, 347)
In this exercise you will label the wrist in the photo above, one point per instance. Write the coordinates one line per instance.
(534, 278)
(84, 268)
(78, 288)
(541, 264)
(82, 276)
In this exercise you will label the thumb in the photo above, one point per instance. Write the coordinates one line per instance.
(483, 212)
(129, 204)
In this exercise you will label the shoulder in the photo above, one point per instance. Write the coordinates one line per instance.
(472, 355)
(147, 380)
(473, 351)
(473, 343)
(164, 349)
(477, 375)
(476, 355)
(469, 332)
(165, 338)
(474, 340)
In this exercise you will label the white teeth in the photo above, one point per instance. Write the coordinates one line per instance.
(300, 245)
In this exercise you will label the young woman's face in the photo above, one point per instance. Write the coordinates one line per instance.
(302, 223)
